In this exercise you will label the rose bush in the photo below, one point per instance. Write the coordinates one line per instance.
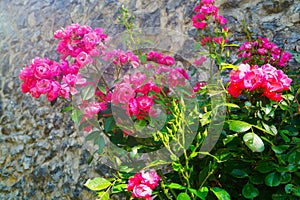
(143, 101)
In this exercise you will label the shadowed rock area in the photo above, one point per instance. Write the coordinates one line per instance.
(42, 155)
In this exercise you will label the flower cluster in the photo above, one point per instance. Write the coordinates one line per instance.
(80, 42)
(159, 58)
(204, 11)
(265, 79)
(120, 58)
(137, 92)
(142, 184)
(262, 51)
(44, 76)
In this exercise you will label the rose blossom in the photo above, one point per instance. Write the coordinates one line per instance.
(43, 86)
(83, 58)
(142, 191)
(144, 103)
(142, 184)
(150, 178)
(123, 92)
(54, 92)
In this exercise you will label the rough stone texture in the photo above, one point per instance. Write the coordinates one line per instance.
(42, 156)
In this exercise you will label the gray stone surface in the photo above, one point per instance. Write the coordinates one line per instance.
(42, 156)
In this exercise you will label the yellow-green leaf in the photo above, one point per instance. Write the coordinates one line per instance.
(98, 183)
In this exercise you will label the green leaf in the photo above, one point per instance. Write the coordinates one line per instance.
(87, 92)
(285, 178)
(176, 186)
(66, 109)
(239, 173)
(92, 136)
(288, 188)
(202, 193)
(193, 154)
(231, 45)
(220, 193)
(98, 183)
(100, 142)
(198, 46)
(280, 149)
(273, 179)
(257, 179)
(143, 58)
(183, 196)
(119, 188)
(103, 196)
(294, 158)
(176, 166)
(140, 124)
(156, 163)
(272, 129)
(239, 126)
(254, 142)
(102, 89)
(126, 169)
(76, 116)
(296, 191)
(205, 119)
(249, 191)
(231, 105)
(297, 58)
(229, 138)
(109, 124)
(266, 166)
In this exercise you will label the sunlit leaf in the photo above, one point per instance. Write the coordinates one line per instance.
(202, 193)
(183, 196)
(76, 116)
(98, 183)
(103, 196)
(220, 193)
(176, 186)
(87, 92)
(254, 142)
(239, 126)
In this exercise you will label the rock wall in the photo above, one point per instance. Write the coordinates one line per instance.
(42, 155)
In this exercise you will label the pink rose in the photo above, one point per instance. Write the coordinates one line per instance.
(200, 25)
(142, 191)
(168, 60)
(26, 74)
(94, 108)
(222, 20)
(90, 40)
(253, 79)
(34, 93)
(70, 79)
(123, 92)
(234, 90)
(133, 107)
(150, 179)
(43, 86)
(42, 70)
(83, 59)
(54, 92)
(65, 91)
(133, 181)
(144, 103)
(273, 95)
